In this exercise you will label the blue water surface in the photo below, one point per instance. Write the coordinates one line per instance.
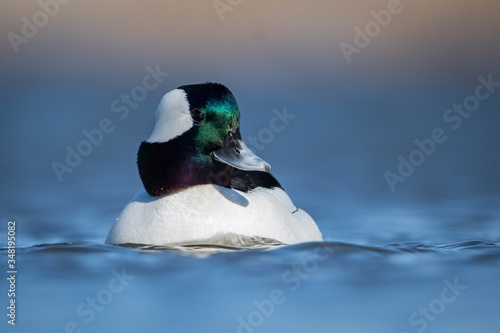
(391, 255)
(379, 270)
(385, 266)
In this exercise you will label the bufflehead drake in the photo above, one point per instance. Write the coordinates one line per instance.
(201, 181)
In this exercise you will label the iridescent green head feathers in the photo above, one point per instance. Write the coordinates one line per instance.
(214, 112)
(196, 139)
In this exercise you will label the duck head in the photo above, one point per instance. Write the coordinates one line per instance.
(196, 140)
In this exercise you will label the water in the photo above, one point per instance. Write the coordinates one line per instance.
(320, 287)
(387, 256)
(370, 275)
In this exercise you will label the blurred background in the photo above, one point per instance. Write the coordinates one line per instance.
(64, 72)
(353, 119)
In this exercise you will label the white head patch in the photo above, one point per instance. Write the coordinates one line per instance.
(172, 117)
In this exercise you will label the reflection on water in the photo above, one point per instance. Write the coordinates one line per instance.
(386, 256)
(264, 287)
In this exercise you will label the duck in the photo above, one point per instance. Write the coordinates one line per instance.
(201, 181)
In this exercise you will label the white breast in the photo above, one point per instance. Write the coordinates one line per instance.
(205, 211)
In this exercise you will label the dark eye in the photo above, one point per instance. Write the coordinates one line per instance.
(197, 115)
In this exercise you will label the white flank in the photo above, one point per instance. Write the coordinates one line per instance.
(204, 211)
